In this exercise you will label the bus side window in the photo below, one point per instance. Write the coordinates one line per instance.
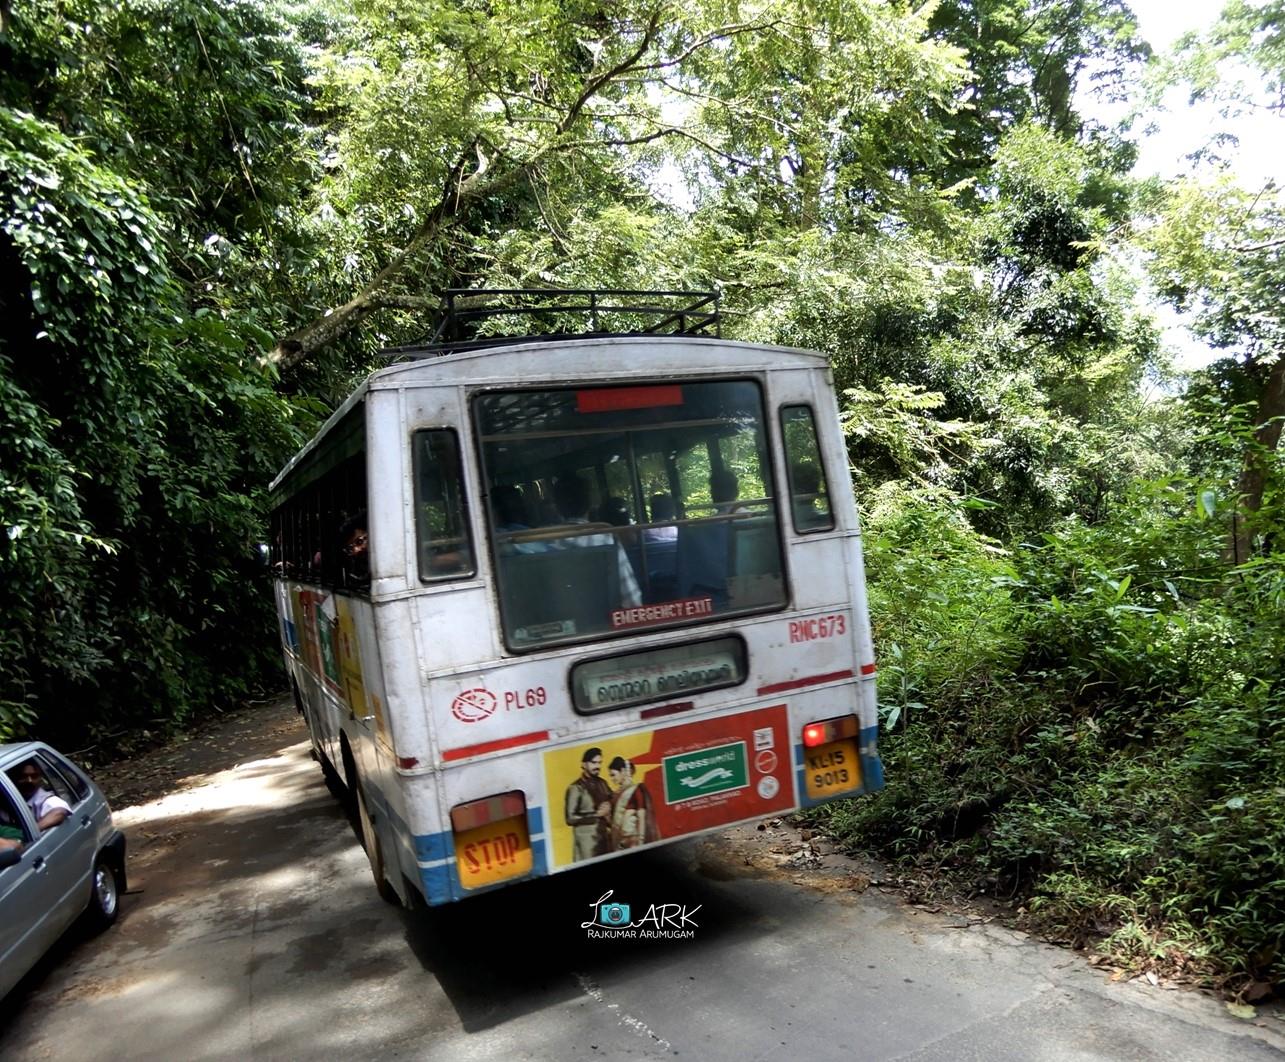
(809, 497)
(441, 510)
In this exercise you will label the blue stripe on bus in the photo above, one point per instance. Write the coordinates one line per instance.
(435, 852)
(871, 770)
(432, 847)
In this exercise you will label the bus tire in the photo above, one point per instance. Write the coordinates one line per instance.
(333, 782)
(374, 851)
(348, 794)
(414, 899)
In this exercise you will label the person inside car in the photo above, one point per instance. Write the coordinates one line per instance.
(47, 808)
(10, 834)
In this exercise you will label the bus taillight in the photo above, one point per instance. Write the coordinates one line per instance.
(822, 733)
(831, 764)
(487, 810)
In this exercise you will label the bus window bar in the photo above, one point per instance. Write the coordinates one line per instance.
(462, 312)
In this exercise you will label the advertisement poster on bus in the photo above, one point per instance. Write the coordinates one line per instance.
(305, 610)
(628, 790)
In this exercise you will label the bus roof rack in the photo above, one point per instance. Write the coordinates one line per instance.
(474, 318)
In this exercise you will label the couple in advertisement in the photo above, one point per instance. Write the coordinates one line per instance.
(605, 819)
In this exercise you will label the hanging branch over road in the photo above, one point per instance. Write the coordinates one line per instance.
(494, 168)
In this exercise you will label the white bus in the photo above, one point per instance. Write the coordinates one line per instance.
(550, 601)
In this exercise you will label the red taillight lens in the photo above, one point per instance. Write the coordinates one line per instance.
(487, 810)
(814, 734)
(822, 733)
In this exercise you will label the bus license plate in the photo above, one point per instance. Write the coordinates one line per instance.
(832, 769)
(494, 852)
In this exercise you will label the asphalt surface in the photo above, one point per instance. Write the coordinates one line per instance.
(252, 931)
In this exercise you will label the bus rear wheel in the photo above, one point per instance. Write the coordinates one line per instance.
(374, 850)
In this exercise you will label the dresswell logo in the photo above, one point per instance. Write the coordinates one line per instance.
(661, 921)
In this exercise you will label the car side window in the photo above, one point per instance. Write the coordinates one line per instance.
(55, 782)
(73, 788)
(13, 827)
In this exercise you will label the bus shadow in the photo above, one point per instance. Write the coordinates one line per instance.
(516, 951)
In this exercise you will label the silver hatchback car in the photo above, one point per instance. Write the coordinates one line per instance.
(49, 877)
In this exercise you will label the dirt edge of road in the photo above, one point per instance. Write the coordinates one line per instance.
(247, 732)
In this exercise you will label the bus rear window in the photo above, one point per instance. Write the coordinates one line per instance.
(441, 517)
(618, 509)
(809, 495)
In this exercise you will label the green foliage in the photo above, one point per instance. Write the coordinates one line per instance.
(137, 429)
(1085, 722)
(1025, 61)
(1080, 698)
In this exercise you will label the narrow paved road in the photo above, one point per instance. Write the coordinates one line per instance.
(252, 932)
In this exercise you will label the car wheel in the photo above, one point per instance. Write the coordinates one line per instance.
(104, 895)
(374, 851)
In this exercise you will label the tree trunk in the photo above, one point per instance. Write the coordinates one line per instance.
(340, 320)
(1268, 422)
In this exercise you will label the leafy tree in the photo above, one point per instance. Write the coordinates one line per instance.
(817, 120)
(1218, 248)
(443, 115)
(139, 425)
(1027, 59)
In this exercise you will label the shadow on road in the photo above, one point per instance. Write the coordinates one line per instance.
(512, 952)
(250, 895)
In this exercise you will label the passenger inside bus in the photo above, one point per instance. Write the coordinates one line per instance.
(703, 560)
(509, 506)
(356, 551)
(725, 489)
(571, 493)
(662, 509)
(549, 516)
(811, 510)
(615, 511)
(660, 550)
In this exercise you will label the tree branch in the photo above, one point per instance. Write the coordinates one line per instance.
(628, 63)
(295, 347)
(725, 33)
(496, 169)
(669, 130)
(1251, 248)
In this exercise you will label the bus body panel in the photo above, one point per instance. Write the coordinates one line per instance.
(440, 713)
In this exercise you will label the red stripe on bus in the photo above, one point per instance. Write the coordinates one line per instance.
(495, 746)
(867, 669)
(666, 709)
(606, 399)
(798, 684)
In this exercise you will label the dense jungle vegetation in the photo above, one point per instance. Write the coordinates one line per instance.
(214, 212)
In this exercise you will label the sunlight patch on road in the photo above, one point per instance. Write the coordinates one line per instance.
(292, 879)
(243, 786)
